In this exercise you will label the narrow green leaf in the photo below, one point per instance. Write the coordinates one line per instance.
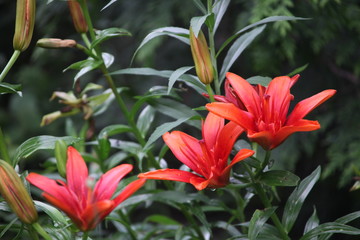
(219, 10)
(52, 212)
(39, 143)
(108, 59)
(237, 48)
(7, 227)
(10, 88)
(176, 75)
(200, 6)
(161, 219)
(190, 80)
(160, 130)
(312, 223)
(103, 35)
(298, 70)
(197, 22)
(108, 4)
(258, 220)
(297, 198)
(113, 130)
(145, 120)
(181, 34)
(279, 178)
(84, 67)
(331, 228)
(228, 227)
(263, 81)
(345, 219)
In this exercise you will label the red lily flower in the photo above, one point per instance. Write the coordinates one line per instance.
(263, 111)
(85, 207)
(207, 157)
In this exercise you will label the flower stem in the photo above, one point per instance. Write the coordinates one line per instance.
(192, 221)
(8, 66)
(3, 148)
(210, 92)
(41, 231)
(85, 236)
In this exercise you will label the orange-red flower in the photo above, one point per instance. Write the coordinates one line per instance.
(263, 111)
(207, 157)
(86, 207)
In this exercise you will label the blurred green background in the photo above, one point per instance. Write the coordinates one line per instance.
(328, 42)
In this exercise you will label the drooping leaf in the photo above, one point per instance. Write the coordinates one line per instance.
(40, 143)
(330, 228)
(279, 178)
(219, 10)
(237, 48)
(181, 34)
(263, 81)
(103, 35)
(190, 80)
(176, 75)
(10, 88)
(163, 128)
(297, 198)
(197, 22)
(257, 221)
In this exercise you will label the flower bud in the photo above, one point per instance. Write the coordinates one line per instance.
(201, 56)
(55, 43)
(77, 16)
(15, 194)
(24, 25)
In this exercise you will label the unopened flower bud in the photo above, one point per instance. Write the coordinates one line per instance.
(24, 25)
(12, 189)
(202, 59)
(77, 16)
(55, 43)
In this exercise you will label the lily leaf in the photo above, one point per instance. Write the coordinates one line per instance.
(279, 178)
(219, 10)
(10, 88)
(197, 22)
(263, 81)
(257, 222)
(84, 67)
(103, 35)
(331, 228)
(176, 75)
(312, 223)
(40, 143)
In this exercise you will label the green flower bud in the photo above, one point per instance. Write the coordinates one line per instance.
(15, 194)
(24, 25)
(202, 59)
(77, 16)
(55, 43)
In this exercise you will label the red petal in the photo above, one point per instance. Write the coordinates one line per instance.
(185, 148)
(307, 105)
(106, 186)
(245, 92)
(241, 155)
(128, 191)
(169, 174)
(199, 183)
(231, 112)
(263, 138)
(95, 213)
(77, 174)
(211, 129)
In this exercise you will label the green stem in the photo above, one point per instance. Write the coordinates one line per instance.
(210, 92)
(9, 65)
(3, 149)
(264, 164)
(41, 231)
(188, 215)
(85, 236)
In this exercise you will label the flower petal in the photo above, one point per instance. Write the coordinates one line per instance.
(169, 174)
(199, 183)
(231, 112)
(128, 191)
(106, 186)
(211, 129)
(185, 148)
(241, 155)
(246, 93)
(95, 213)
(77, 174)
(307, 105)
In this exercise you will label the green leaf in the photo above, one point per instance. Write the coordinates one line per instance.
(103, 35)
(145, 120)
(258, 220)
(176, 75)
(219, 10)
(345, 219)
(160, 130)
(108, 59)
(279, 178)
(89, 87)
(298, 70)
(197, 22)
(52, 212)
(40, 143)
(297, 198)
(263, 81)
(174, 110)
(84, 67)
(108, 4)
(237, 48)
(312, 223)
(10, 88)
(228, 227)
(190, 80)
(161, 219)
(331, 228)
(113, 130)
(200, 6)
(181, 34)
(261, 22)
